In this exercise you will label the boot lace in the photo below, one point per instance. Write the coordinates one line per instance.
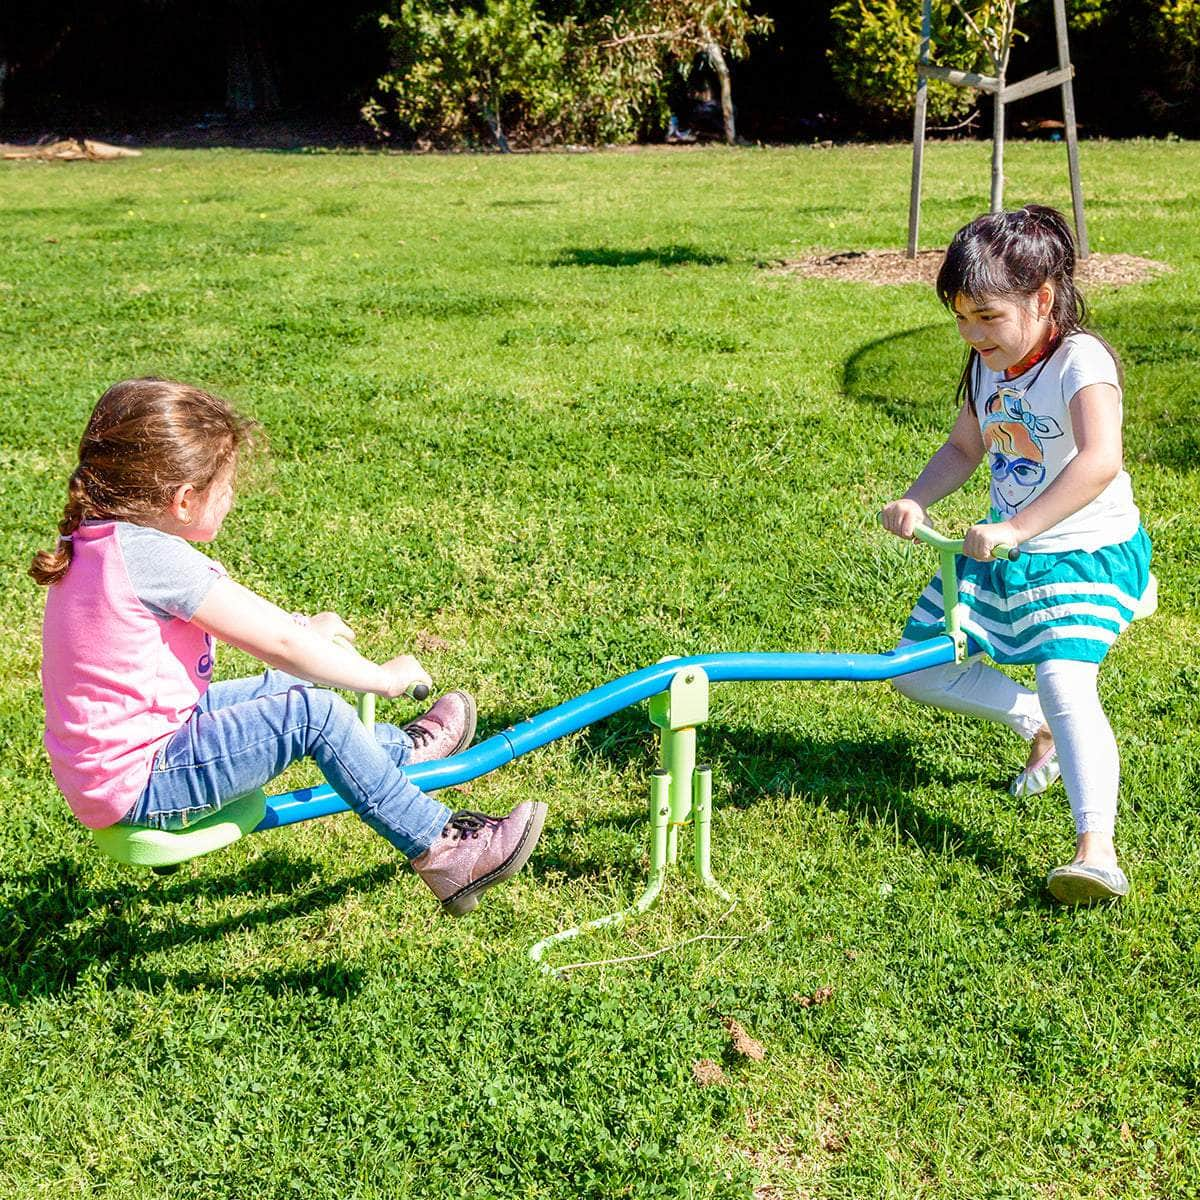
(420, 734)
(469, 824)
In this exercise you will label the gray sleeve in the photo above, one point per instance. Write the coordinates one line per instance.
(169, 576)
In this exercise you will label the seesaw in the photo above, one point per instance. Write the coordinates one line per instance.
(680, 788)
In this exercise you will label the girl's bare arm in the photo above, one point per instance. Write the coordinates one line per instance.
(947, 471)
(244, 619)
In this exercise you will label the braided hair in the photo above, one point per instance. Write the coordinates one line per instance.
(144, 440)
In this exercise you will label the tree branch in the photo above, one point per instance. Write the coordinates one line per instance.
(971, 118)
(649, 36)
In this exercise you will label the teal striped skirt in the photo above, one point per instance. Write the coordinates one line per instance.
(1043, 606)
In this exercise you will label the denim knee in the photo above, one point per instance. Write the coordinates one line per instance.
(325, 714)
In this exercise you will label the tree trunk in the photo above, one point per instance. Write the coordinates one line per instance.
(491, 118)
(717, 59)
(250, 80)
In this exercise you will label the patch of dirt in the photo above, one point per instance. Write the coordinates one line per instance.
(743, 1043)
(821, 996)
(288, 131)
(891, 266)
(427, 641)
(707, 1073)
(68, 150)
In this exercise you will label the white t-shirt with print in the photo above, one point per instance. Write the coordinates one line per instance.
(1028, 439)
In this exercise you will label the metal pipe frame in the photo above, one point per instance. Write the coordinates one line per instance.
(1005, 93)
(306, 804)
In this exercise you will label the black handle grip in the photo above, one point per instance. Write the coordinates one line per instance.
(418, 691)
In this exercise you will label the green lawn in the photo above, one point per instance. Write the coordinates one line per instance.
(545, 420)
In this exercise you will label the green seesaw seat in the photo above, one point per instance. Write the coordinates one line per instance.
(163, 852)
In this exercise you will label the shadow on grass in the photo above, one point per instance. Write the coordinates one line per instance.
(909, 378)
(876, 783)
(56, 926)
(1159, 345)
(659, 256)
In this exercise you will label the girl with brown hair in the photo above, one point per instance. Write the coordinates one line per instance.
(136, 730)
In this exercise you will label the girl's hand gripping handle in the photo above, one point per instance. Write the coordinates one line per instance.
(410, 678)
(930, 536)
(902, 517)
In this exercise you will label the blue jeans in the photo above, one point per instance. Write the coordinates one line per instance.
(244, 732)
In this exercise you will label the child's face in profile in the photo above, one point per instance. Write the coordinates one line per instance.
(214, 506)
(1004, 330)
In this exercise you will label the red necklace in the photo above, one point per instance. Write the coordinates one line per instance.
(1047, 348)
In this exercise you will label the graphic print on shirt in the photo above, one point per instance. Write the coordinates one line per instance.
(204, 664)
(1012, 440)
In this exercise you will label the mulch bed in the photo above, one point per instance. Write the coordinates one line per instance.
(890, 266)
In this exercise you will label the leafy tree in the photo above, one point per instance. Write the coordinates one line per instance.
(458, 71)
(1179, 23)
(875, 54)
(499, 67)
(875, 58)
(683, 31)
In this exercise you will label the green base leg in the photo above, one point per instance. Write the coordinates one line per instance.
(660, 815)
(679, 791)
(702, 808)
(678, 760)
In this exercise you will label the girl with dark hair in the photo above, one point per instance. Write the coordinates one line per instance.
(1041, 402)
(136, 732)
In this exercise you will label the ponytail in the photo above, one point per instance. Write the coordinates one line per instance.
(144, 439)
(49, 566)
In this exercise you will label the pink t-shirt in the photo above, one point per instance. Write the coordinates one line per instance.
(118, 679)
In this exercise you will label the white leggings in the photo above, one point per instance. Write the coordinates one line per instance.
(1066, 699)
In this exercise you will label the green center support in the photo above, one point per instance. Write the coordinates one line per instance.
(952, 606)
(680, 792)
(677, 712)
(366, 710)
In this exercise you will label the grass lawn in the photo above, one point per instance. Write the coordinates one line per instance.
(545, 420)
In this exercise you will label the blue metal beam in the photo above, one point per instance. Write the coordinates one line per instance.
(609, 698)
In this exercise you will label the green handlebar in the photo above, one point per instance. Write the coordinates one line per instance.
(924, 534)
(415, 690)
(956, 612)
